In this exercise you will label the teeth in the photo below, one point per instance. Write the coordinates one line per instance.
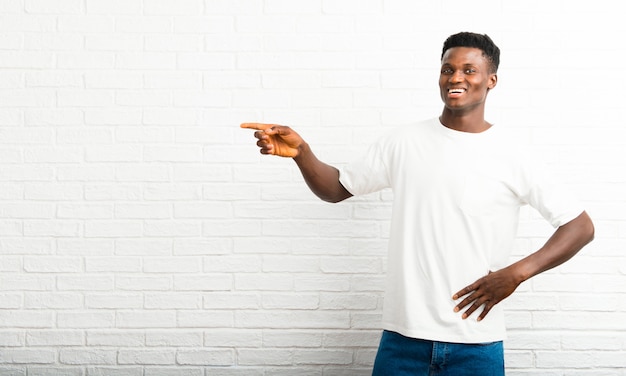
(456, 90)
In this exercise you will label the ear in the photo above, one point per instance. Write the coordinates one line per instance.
(493, 80)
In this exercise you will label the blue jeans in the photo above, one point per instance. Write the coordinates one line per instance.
(399, 356)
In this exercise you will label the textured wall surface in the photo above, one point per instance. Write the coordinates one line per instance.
(141, 233)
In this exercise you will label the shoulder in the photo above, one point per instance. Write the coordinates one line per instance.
(408, 132)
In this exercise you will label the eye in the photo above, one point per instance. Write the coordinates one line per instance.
(446, 71)
(470, 71)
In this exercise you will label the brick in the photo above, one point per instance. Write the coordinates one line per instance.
(11, 338)
(234, 6)
(292, 338)
(174, 338)
(85, 174)
(25, 60)
(10, 263)
(290, 301)
(174, 228)
(170, 116)
(11, 228)
(60, 228)
(143, 24)
(143, 211)
(351, 339)
(53, 300)
(85, 320)
(112, 264)
(10, 301)
(292, 319)
(55, 338)
(115, 7)
(174, 371)
(27, 356)
(233, 338)
(11, 80)
(112, 229)
(148, 357)
(85, 211)
(217, 357)
(11, 117)
(34, 210)
(141, 173)
(231, 300)
(215, 282)
(210, 23)
(172, 265)
(12, 6)
(344, 301)
(143, 247)
(293, 7)
(27, 283)
(577, 359)
(172, 154)
(146, 60)
(116, 371)
(146, 319)
(206, 60)
(84, 247)
(113, 80)
(176, 43)
(164, 7)
(205, 319)
(324, 357)
(121, 339)
(26, 319)
(350, 6)
(54, 7)
(280, 357)
(143, 283)
(177, 300)
(84, 283)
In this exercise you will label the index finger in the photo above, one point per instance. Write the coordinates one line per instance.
(257, 126)
(466, 290)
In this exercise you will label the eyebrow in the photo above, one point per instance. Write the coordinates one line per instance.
(465, 65)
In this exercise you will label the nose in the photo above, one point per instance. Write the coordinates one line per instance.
(457, 76)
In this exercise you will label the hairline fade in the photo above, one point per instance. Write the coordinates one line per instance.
(481, 41)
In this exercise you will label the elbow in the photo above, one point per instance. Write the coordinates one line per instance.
(333, 194)
(587, 229)
(334, 199)
(591, 231)
(337, 196)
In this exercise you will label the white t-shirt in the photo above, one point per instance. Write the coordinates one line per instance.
(455, 214)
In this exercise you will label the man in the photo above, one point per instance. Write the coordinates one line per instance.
(458, 184)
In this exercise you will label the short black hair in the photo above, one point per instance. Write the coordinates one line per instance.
(474, 40)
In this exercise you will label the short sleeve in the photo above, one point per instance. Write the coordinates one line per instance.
(550, 197)
(366, 174)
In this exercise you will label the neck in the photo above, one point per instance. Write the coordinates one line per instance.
(469, 122)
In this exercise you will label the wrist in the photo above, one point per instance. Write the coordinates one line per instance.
(520, 271)
(301, 150)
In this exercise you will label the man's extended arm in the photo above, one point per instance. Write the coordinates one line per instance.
(566, 241)
(322, 179)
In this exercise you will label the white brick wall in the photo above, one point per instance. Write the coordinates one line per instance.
(141, 233)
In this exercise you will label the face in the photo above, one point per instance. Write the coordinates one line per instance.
(465, 79)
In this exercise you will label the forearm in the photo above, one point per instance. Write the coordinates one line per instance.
(566, 241)
(322, 179)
